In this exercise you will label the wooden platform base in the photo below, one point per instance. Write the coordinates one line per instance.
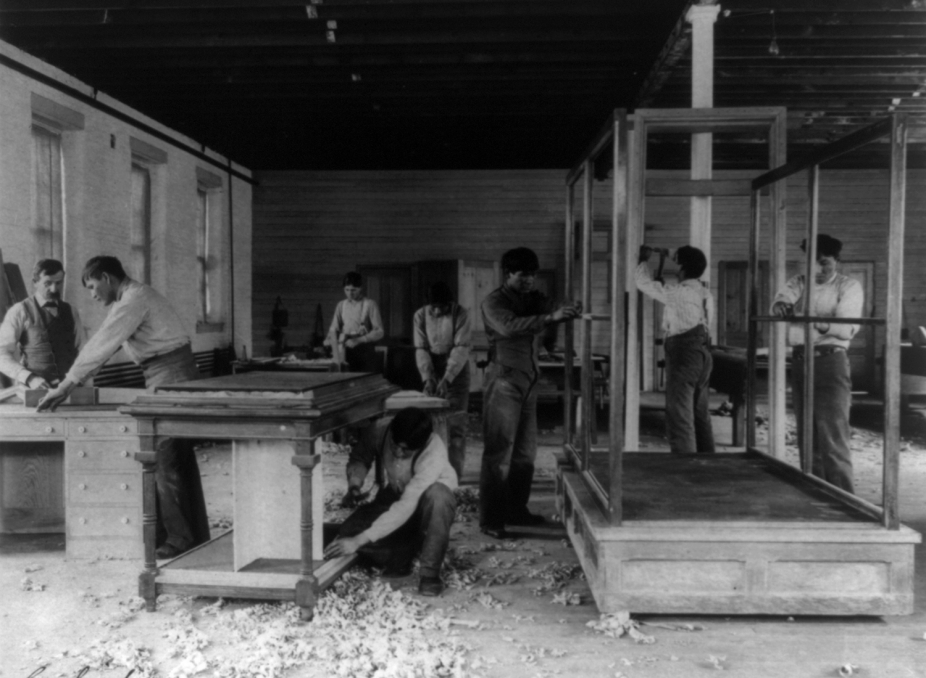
(753, 557)
(208, 570)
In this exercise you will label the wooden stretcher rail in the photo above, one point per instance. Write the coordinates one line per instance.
(833, 150)
(818, 319)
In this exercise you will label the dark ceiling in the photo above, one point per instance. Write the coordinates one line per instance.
(447, 84)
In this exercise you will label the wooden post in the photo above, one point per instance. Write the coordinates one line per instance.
(752, 341)
(894, 314)
(777, 375)
(307, 586)
(618, 344)
(702, 19)
(569, 331)
(588, 398)
(810, 283)
(147, 588)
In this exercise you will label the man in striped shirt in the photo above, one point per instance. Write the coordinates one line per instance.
(689, 307)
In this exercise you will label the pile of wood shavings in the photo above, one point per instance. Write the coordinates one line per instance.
(362, 628)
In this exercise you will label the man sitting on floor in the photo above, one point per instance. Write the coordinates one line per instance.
(414, 508)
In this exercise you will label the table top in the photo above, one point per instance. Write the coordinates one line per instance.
(308, 384)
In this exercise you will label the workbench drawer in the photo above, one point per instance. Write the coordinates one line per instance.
(102, 455)
(95, 428)
(32, 427)
(104, 488)
(104, 521)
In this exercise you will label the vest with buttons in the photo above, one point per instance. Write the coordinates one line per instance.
(47, 342)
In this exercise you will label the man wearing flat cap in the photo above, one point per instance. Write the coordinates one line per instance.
(834, 296)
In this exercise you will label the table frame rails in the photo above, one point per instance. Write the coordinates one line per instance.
(894, 128)
(156, 422)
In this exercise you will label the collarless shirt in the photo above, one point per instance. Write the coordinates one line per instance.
(449, 335)
(839, 297)
(11, 330)
(688, 303)
(356, 319)
(513, 324)
(141, 321)
(410, 477)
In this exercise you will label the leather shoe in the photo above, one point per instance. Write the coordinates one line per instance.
(430, 586)
(166, 551)
(526, 518)
(495, 532)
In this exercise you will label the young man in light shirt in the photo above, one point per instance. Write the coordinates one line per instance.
(144, 324)
(838, 296)
(41, 336)
(412, 511)
(355, 328)
(686, 320)
(443, 338)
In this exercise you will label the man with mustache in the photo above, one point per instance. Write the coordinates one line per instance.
(145, 324)
(41, 336)
(837, 296)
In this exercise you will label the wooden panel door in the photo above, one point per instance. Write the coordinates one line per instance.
(390, 287)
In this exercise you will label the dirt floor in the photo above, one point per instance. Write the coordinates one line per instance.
(515, 609)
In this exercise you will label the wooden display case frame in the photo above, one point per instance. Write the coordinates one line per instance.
(852, 558)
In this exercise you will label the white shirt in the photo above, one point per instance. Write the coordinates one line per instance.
(450, 334)
(141, 321)
(11, 330)
(688, 303)
(839, 297)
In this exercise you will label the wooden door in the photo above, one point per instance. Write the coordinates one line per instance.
(390, 288)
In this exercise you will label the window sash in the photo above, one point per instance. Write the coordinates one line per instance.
(48, 226)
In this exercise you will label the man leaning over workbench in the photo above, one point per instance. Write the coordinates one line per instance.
(443, 338)
(414, 507)
(146, 326)
(41, 336)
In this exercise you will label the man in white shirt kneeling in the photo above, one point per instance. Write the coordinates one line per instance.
(415, 506)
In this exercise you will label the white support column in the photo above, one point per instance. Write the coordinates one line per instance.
(702, 19)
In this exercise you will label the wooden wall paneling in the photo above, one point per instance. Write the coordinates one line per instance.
(31, 487)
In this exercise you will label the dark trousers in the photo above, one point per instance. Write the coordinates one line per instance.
(362, 358)
(427, 531)
(832, 400)
(458, 416)
(182, 519)
(509, 416)
(688, 376)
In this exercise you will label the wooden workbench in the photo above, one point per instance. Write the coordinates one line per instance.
(273, 419)
(72, 471)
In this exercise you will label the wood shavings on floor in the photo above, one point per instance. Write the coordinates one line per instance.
(620, 624)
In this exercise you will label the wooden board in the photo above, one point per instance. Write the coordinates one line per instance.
(267, 502)
(305, 383)
(721, 488)
(32, 487)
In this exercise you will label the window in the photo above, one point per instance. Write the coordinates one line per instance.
(50, 122)
(140, 247)
(209, 251)
(48, 225)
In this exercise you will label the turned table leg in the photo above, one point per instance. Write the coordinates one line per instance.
(307, 586)
(146, 580)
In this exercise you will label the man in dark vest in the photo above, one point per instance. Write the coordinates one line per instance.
(145, 325)
(41, 336)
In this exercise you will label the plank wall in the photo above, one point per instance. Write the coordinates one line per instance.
(312, 227)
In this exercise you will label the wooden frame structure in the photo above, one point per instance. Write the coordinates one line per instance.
(894, 129)
(273, 552)
(740, 533)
